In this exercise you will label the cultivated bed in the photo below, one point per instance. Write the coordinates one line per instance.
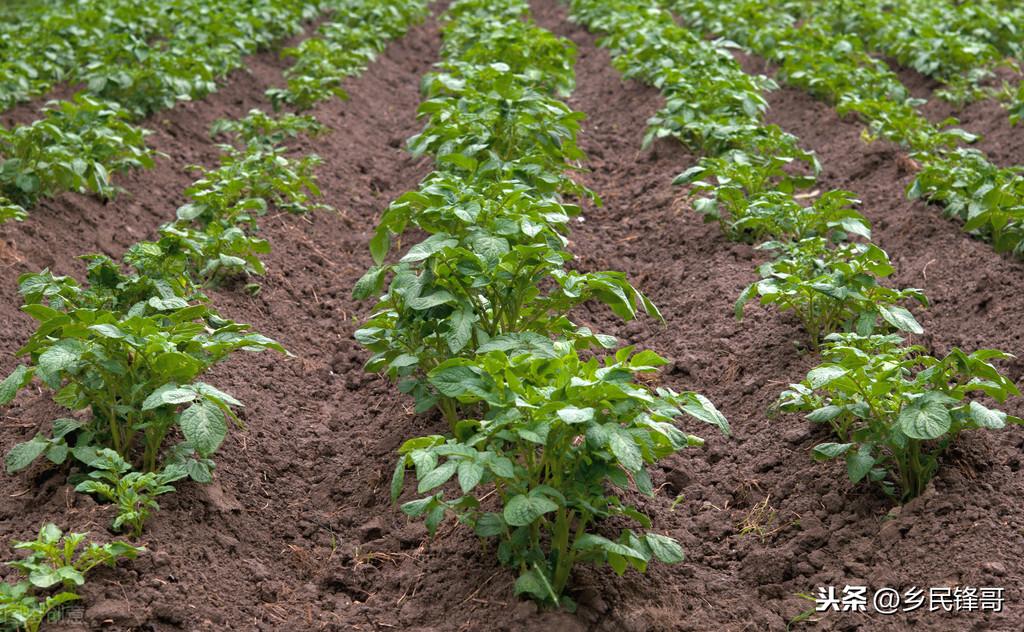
(298, 530)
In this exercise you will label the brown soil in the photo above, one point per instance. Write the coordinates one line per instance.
(298, 533)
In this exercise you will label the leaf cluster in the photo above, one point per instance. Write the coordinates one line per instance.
(833, 288)
(560, 441)
(54, 561)
(74, 147)
(128, 349)
(214, 237)
(134, 493)
(893, 409)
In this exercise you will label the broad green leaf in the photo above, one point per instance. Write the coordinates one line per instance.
(859, 464)
(370, 283)
(64, 426)
(398, 479)
(204, 427)
(824, 375)
(489, 247)
(45, 577)
(460, 329)
(900, 318)
(490, 525)
(434, 518)
(573, 415)
(437, 476)
(422, 303)
(61, 357)
(502, 467)
(824, 414)
(924, 419)
(986, 417)
(830, 450)
(108, 331)
(457, 381)
(429, 246)
(23, 454)
(626, 451)
(14, 382)
(470, 474)
(522, 510)
(379, 246)
(417, 507)
(665, 548)
(533, 584)
(215, 393)
(703, 409)
(592, 541)
(168, 395)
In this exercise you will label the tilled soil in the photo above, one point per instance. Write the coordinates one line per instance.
(298, 532)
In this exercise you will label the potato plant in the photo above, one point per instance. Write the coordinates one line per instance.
(74, 147)
(832, 288)
(493, 265)
(478, 114)
(560, 435)
(213, 239)
(752, 197)
(129, 350)
(112, 479)
(54, 561)
(894, 409)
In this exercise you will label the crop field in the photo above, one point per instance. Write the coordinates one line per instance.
(589, 315)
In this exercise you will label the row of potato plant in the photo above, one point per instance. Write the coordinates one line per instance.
(351, 38)
(959, 44)
(836, 66)
(129, 346)
(150, 59)
(126, 352)
(143, 55)
(80, 142)
(942, 40)
(475, 321)
(120, 344)
(893, 417)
